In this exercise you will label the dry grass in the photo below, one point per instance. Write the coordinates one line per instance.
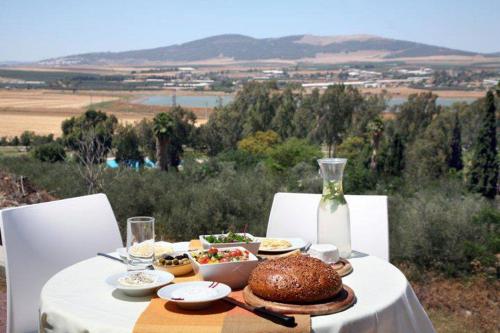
(42, 111)
(460, 305)
(29, 99)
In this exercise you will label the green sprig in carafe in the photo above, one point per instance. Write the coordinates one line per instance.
(333, 212)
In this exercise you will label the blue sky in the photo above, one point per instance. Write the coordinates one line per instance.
(33, 30)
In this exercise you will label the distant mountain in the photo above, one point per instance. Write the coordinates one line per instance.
(244, 48)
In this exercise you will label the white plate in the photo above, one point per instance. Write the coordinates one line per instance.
(194, 295)
(297, 243)
(178, 247)
(161, 278)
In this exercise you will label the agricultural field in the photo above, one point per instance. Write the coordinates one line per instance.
(42, 111)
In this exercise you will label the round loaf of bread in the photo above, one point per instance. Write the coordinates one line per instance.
(296, 279)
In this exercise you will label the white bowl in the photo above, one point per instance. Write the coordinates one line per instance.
(194, 295)
(234, 274)
(253, 246)
(162, 278)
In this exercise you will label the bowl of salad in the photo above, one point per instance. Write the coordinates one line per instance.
(231, 239)
(229, 265)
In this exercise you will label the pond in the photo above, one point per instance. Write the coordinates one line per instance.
(210, 101)
(200, 101)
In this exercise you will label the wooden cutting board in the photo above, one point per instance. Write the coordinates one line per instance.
(343, 267)
(343, 300)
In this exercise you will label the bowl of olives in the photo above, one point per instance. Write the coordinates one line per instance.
(177, 263)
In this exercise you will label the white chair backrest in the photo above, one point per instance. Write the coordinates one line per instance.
(296, 215)
(42, 239)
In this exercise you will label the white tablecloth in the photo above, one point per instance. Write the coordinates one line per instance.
(77, 299)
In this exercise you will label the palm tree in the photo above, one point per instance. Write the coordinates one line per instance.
(163, 126)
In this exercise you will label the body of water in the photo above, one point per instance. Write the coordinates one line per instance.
(207, 101)
(440, 101)
(202, 101)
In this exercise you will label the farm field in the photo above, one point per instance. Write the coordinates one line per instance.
(42, 111)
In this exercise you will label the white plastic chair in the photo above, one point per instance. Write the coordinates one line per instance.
(295, 215)
(42, 239)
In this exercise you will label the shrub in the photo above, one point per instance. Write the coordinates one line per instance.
(259, 143)
(49, 152)
(126, 143)
(292, 152)
(435, 228)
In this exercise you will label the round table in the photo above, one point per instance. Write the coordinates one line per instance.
(77, 299)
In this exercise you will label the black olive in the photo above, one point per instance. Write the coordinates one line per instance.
(179, 257)
(168, 257)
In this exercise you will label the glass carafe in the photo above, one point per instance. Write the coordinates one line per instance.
(334, 226)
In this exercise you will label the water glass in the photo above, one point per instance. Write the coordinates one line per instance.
(140, 242)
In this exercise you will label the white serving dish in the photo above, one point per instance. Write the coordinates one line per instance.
(194, 295)
(234, 274)
(297, 243)
(253, 247)
(162, 278)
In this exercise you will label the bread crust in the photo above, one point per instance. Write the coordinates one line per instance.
(295, 279)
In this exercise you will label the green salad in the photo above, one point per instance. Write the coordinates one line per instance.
(230, 237)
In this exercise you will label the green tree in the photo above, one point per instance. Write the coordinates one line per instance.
(416, 114)
(369, 110)
(163, 128)
(27, 137)
(292, 152)
(182, 134)
(259, 143)
(223, 130)
(455, 161)
(126, 142)
(305, 116)
(49, 152)
(394, 162)
(93, 125)
(337, 105)
(375, 129)
(15, 141)
(146, 136)
(483, 176)
(256, 105)
(429, 154)
(283, 123)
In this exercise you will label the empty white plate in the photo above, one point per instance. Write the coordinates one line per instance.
(160, 278)
(194, 295)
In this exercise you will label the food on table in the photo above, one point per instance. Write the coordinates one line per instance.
(325, 252)
(267, 244)
(137, 279)
(282, 255)
(176, 264)
(295, 279)
(162, 249)
(230, 237)
(216, 256)
(145, 249)
(179, 260)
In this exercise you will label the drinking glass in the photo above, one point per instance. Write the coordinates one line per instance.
(140, 242)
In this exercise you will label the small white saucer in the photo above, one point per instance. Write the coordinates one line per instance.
(161, 278)
(194, 295)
